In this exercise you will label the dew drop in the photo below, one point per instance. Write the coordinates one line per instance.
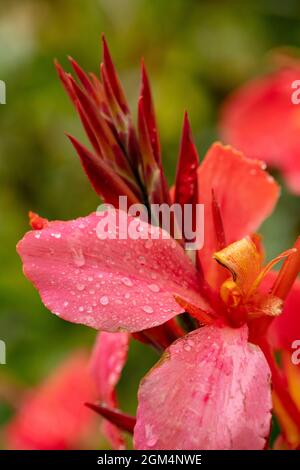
(147, 309)
(151, 438)
(104, 300)
(81, 309)
(56, 235)
(154, 287)
(127, 282)
(78, 257)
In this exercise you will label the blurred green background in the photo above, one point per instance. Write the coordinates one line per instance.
(196, 52)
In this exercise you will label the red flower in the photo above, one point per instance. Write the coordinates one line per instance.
(53, 415)
(211, 375)
(261, 119)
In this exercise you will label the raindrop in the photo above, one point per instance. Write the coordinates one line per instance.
(151, 438)
(127, 282)
(147, 309)
(104, 300)
(154, 287)
(56, 235)
(78, 257)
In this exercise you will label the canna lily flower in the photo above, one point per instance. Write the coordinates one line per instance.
(211, 388)
(52, 416)
(261, 119)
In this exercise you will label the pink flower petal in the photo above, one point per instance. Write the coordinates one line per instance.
(108, 359)
(110, 284)
(211, 390)
(285, 329)
(245, 193)
(261, 120)
(54, 415)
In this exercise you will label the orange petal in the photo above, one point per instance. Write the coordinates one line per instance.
(243, 260)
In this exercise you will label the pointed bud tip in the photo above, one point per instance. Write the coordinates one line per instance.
(186, 121)
(36, 222)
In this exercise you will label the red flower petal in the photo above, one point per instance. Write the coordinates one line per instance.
(108, 359)
(104, 180)
(245, 193)
(186, 177)
(210, 391)
(109, 284)
(285, 329)
(261, 120)
(54, 415)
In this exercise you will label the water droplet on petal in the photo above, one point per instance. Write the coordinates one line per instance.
(78, 257)
(81, 309)
(104, 300)
(127, 281)
(147, 309)
(154, 287)
(151, 438)
(56, 235)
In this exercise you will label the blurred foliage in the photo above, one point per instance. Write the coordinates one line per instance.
(195, 51)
